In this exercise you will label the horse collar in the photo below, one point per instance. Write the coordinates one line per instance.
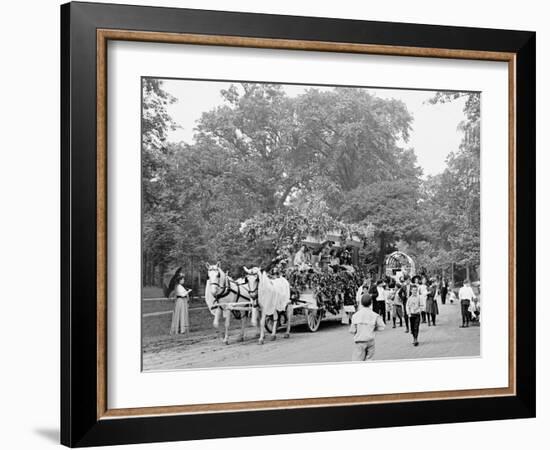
(225, 291)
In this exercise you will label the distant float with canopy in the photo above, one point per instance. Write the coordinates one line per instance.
(399, 264)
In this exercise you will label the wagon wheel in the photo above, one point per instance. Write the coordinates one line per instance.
(313, 319)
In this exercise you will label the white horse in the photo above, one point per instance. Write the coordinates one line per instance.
(220, 289)
(272, 296)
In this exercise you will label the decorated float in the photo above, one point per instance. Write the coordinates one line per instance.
(318, 257)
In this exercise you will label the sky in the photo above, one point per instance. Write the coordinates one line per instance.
(434, 129)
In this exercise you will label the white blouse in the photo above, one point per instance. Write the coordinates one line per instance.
(180, 291)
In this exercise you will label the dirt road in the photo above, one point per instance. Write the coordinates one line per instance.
(332, 343)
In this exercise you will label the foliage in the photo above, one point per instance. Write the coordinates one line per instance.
(353, 136)
(392, 207)
(454, 195)
(155, 123)
(331, 289)
(266, 170)
(286, 229)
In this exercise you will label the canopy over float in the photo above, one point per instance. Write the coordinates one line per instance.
(399, 264)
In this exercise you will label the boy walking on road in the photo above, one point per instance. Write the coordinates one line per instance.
(415, 306)
(363, 325)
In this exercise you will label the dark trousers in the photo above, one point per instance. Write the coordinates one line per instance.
(414, 319)
(398, 313)
(443, 296)
(406, 315)
(380, 308)
(423, 313)
(464, 305)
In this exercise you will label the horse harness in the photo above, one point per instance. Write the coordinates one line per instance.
(227, 289)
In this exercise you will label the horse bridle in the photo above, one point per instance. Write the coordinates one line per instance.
(254, 292)
(226, 288)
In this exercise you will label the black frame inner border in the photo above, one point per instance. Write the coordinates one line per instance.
(79, 425)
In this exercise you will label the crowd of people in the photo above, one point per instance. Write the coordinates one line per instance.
(326, 257)
(389, 301)
(408, 301)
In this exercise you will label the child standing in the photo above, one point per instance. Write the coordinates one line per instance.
(415, 305)
(363, 325)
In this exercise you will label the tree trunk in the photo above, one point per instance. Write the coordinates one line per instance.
(453, 273)
(200, 283)
(151, 273)
(381, 255)
(162, 269)
(468, 272)
(144, 264)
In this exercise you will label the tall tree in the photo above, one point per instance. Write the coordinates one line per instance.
(355, 136)
(277, 146)
(155, 124)
(157, 218)
(392, 208)
(456, 192)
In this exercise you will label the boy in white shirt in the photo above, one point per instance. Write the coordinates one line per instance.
(363, 325)
(465, 295)
(415, 306)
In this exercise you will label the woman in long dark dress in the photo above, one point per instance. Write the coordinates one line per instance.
(432, 309)
(423, 294)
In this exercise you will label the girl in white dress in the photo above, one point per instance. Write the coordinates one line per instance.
(180, 315)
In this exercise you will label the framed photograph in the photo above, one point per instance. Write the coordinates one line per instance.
(281, 224)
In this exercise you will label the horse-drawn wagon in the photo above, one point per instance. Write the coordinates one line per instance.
(304, 308)
(314, 296)
(317, 295)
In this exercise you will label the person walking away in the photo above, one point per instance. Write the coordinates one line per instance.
(432, 309)
(443, 290)
(414, 308)
(423, 293)
(180, 315)
(465, 295)
(398, 307)
(404, 294)
(364, 323)
(381, 300)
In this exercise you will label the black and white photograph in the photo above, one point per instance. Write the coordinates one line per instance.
(267, 225)
(300, 224)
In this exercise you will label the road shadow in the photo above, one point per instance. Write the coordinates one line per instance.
(49, 434)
